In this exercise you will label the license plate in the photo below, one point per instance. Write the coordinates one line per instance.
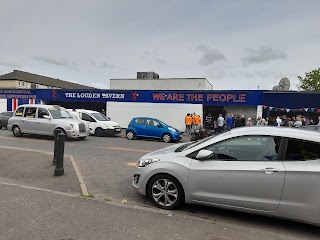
(118, 130)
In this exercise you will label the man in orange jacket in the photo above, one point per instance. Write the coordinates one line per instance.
(196, 121)
(188, 122)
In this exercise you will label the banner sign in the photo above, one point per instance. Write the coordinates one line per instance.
(219, 98)
(17, 94)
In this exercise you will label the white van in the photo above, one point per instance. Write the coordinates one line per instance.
(99, 124)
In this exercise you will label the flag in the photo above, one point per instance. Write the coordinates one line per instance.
(288, 110)
(265, 107)
(14, 104)
(306, 109)
(270, 108)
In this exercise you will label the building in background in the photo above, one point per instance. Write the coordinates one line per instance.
(174, 113)
(25, 80)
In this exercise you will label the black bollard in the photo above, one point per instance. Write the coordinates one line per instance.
(59, 171)
(56, 132)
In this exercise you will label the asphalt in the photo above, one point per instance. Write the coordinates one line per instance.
(34, 204)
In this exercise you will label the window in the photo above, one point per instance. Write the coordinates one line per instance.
(139, 121)
(86, 117)
(152, 123)
(42, 112)
(30, 112)
(246, 148)
(19, 112)
(299, 150)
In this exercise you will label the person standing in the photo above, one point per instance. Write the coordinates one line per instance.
(208, 121)
(188, 122)
(220, 122)
(103, 112)
(196, 121)
(229, 121)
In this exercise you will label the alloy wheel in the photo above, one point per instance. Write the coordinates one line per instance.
(164, 192)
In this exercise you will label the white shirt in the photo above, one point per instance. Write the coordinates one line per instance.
(220, 121)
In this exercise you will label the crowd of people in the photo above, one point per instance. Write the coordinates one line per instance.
(193, 121)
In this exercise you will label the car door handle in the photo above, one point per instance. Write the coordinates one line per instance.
(270, 170)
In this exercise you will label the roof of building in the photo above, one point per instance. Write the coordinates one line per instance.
(43, 80)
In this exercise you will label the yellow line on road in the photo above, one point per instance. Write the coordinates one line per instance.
(131, 164)
(125, 149)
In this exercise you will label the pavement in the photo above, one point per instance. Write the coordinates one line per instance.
(34, 204)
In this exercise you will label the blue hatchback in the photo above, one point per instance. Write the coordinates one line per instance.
(151, 128)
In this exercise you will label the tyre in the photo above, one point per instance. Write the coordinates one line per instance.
(130, 135)
(166, 137)
(16, 131)
(165, 192)
(99, 132)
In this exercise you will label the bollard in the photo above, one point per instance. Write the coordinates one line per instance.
(59, 171)
(56, 132)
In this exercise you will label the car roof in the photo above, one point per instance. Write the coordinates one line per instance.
(83, 110)
(148, 118)
(290, 132)
(40, 105)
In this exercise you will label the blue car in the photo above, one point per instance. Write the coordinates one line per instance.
(151, 128)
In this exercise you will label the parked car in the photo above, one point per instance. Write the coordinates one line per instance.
(151, 128)
(4, 116)
(99, 124)
(43, 120)
(263, 170)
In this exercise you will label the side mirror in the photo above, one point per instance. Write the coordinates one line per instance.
(160, 126)
(203, 154)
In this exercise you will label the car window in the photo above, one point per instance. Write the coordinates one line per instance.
(7, 114)
(58, 113)
(152, 123)
(30, 112)
(246, 148)
(86, 117)
(299, 150)
(139, 121)
(42, 112)
(19, 112)
(100, 117)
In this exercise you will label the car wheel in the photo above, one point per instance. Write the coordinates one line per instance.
(16, 131)
(166, 137)
(130, 135)
(165, 192)
(99, 132)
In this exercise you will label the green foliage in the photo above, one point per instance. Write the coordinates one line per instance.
(311, 82)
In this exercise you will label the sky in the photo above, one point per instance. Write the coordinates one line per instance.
(235, 44)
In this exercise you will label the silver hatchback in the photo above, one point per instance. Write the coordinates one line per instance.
(265, 170)
(43, 120)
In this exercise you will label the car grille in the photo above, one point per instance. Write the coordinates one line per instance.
(82, 127)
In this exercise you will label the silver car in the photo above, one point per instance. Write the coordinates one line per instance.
(265, 170)
(43, 120)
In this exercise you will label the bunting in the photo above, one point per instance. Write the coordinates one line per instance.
(270, 108)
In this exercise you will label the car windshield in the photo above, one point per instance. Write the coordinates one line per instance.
(205, 140)
(100, 117)
(59, 113)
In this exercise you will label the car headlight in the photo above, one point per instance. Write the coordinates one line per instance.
(171, 129)
(145, 162)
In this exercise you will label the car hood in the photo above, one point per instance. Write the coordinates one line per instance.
(164, 151)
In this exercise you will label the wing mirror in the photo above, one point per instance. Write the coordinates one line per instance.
(203, 154)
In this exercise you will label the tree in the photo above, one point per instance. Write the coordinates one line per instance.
(311, 82)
